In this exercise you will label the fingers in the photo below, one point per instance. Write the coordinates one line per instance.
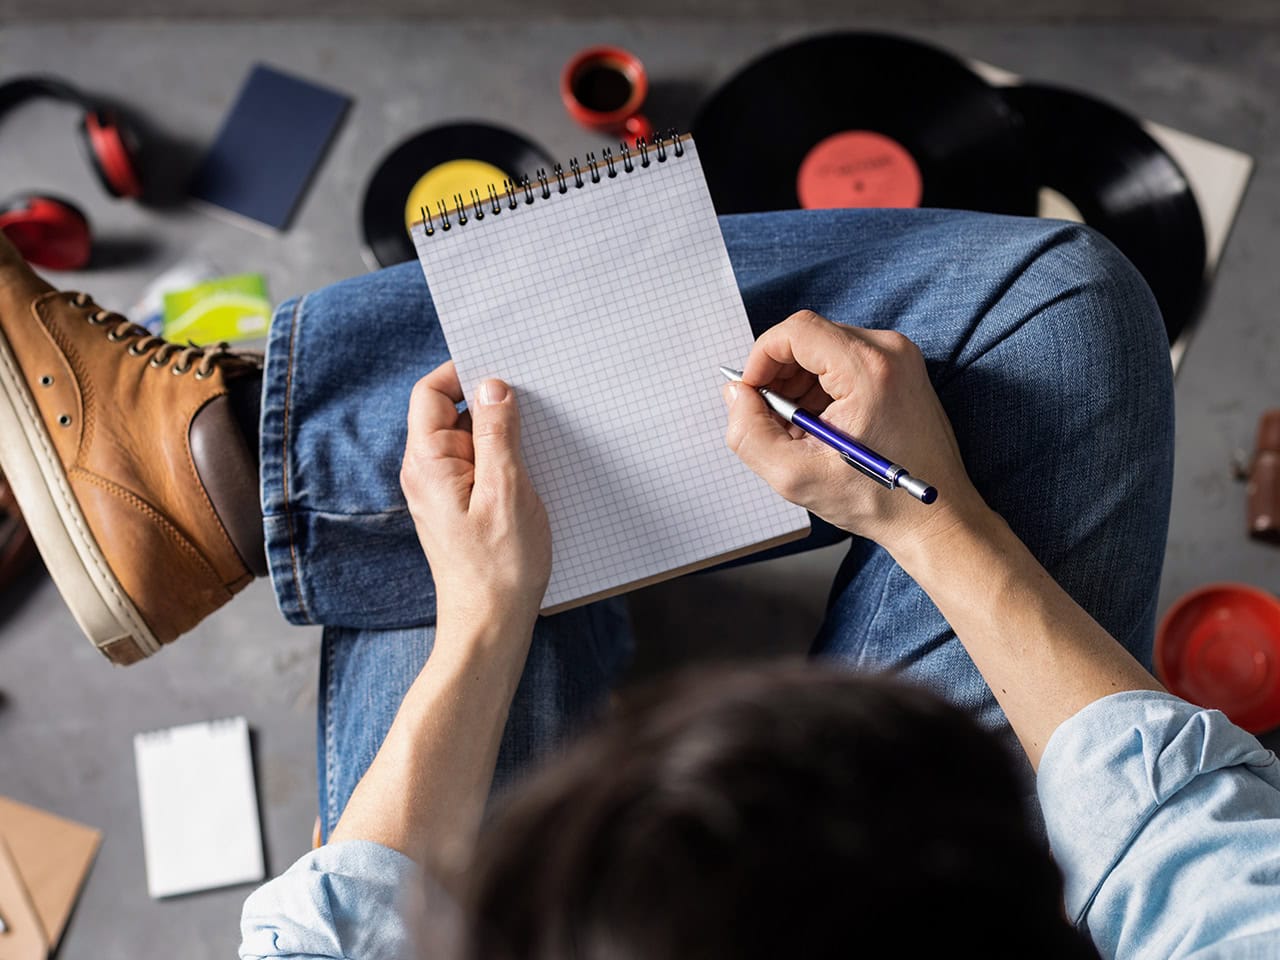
(445, 379)
(805, 341)
(450, 456)
(794, 382)
(433, 403)
(766, 444)
(495, 429)
(438, 454)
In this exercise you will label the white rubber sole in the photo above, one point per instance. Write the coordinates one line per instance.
(72, 556)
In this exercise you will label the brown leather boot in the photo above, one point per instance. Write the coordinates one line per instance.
(138, 486)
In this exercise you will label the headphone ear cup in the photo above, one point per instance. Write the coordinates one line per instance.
(113, 153)
(48, 232)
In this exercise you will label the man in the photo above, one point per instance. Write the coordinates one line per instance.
(1044, 348)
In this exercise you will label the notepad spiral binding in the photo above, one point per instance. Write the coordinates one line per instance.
(627, 160)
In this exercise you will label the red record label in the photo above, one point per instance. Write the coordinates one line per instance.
(858, 168)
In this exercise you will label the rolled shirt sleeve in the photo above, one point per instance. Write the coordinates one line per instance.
(344, 900)
(1165, 820)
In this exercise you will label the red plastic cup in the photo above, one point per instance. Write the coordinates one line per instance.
(603, 89)
(1219, 647)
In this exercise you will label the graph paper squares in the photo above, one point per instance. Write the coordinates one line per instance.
(609, 309)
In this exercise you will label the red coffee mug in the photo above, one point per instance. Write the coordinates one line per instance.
(603, 89)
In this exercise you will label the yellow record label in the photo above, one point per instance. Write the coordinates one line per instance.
(443, 181)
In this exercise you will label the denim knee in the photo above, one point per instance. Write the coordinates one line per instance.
(1096, 298)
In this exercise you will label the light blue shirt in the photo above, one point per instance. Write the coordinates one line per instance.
(1164, 818)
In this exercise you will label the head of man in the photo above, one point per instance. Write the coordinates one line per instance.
(773, 812)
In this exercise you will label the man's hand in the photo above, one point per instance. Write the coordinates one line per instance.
(485, 534)
(873, 385)
(1043, 657)
(482, 526)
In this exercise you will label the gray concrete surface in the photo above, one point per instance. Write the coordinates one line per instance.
(918, 11)
(66, 717)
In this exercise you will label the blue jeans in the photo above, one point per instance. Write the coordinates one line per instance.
(1042, 341)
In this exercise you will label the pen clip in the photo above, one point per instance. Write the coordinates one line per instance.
(861, 469)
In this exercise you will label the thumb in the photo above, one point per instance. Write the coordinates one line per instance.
(758, 437)
(495, 431)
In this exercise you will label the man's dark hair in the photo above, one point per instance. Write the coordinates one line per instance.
(789, 811)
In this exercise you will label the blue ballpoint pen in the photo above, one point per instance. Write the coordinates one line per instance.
(863, 459)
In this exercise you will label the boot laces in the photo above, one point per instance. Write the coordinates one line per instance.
(142, 342)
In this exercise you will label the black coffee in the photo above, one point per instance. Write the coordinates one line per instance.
(602, 87)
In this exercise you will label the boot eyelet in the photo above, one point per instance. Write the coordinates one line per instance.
(135, 352)
(157, 362)
(111, 335)
(180, 370)
(65, 420)
(46, 381)
(201, 375)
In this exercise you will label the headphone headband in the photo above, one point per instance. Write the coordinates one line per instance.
(17, 89)
(112, 148)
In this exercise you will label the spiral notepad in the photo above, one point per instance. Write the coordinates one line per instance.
(602, 292)
(200, 827)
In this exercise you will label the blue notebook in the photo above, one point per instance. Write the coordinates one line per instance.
(270, 145)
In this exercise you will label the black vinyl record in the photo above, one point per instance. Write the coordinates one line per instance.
(860, 119)
(1125, 186)
(431, 166)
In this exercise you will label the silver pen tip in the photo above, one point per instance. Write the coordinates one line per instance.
(731, 374)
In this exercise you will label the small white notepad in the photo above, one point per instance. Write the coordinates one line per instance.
(610, 308)
(200, 826)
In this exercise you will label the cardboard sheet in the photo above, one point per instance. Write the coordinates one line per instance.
(21, 934)
(52, 856)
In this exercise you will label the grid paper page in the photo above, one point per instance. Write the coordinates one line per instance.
(609, 309)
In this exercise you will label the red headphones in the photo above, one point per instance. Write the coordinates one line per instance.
(49, 231)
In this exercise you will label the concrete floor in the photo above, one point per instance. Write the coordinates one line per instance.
(918, 11)
(66, 718)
